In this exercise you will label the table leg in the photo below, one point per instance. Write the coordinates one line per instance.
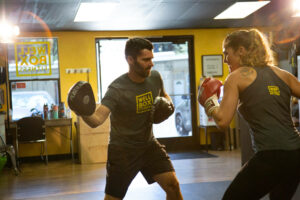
(71, 142)
(229, 139)
(206, 145)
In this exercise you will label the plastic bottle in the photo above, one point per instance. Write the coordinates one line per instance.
(55, 111)
(61, 110)
(46, 110)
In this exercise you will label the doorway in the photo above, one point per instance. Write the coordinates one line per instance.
(173, 58)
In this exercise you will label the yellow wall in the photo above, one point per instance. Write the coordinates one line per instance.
(77, 50)
(2, 64)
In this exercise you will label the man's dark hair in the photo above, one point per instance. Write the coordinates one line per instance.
(135, 45)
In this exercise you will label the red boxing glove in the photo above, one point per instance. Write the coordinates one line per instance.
(209, 93)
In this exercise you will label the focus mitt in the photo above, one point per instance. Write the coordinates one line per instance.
(81, 99)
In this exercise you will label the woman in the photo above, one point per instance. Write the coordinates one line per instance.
(262, 94)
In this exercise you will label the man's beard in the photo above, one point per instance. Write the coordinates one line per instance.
(138, 69)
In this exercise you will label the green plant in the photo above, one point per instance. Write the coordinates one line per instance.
(35, 112)
(3, 160)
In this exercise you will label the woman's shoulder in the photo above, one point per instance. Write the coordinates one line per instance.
(246, 71)
(279, 70)
(242, 72)
(285, 76)
(281, 73)
(242, 77)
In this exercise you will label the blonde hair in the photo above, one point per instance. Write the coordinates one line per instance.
(258, 52)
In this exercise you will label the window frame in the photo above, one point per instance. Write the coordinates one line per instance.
(175, 143)
(57, 79)
(32, 80)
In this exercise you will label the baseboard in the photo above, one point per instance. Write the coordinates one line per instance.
(50, 158)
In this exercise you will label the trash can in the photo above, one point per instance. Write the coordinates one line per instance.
(217, 140)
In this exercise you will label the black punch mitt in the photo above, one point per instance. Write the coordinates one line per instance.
(81, 98)
(162, 108)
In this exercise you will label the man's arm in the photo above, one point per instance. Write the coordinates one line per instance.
(98, 117)
(162, 108)
(81, 100)
(167, 96)
(164, 93)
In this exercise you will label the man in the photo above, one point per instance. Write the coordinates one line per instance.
(132, 147)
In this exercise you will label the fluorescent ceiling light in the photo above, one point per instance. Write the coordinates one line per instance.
(8, 32)
(296, 6)
(297, 14)
(241, 10)
(94, 11)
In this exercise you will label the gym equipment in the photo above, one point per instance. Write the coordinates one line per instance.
(209, 93)
(162, 108)
(81, 98)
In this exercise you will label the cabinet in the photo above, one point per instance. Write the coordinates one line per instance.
(92, 142)
(2, 127)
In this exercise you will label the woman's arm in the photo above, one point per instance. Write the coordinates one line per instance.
(289, 79)
(225, 112)
(294, 84)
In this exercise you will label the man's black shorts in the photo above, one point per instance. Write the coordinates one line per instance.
(124, 163)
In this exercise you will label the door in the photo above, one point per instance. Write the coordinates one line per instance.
(173, 58)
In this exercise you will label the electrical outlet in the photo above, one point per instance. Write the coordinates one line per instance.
(86, 70)
(70, 71)
(77, 70)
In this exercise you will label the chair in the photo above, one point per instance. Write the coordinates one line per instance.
(9, 149)
(32, 130)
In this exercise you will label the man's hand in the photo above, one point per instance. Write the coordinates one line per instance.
(162, 108)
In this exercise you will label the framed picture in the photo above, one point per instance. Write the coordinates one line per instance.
(212, 65)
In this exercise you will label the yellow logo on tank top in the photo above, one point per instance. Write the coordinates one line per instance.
(274, 90)
(144, 102)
